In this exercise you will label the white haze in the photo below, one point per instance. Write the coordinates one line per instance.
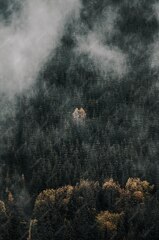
(26, 43)
(107, 59)
(155, 45)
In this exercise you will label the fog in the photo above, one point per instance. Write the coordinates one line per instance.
(28, 40)
(107, 58)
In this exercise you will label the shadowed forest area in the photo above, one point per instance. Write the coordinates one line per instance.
(79, 146)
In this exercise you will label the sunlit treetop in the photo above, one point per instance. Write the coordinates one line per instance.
(109, 221)
(135, 184)
(79, 115)
(111, 184)
(2, 207)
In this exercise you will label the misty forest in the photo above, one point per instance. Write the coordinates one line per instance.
(79, 119)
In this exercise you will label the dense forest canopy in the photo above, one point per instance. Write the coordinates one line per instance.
(79, 96)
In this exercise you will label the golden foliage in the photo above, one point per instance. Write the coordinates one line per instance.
(79, 114)
(111, 184)
(64, 194)
(88, 185)
(2, 207)
(82, 113)
(138, 195)
(51, 196)
(135, 184)
(45, 196)
(109, 221)
(135, 191)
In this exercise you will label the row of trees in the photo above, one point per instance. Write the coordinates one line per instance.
(91, 210)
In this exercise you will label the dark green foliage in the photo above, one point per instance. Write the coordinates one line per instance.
(40, 141)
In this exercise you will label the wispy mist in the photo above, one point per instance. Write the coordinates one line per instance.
(155, 44)
(27, 42)
(107, 58)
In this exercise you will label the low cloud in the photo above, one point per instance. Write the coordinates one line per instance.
(29, 39)
(155, 45)
(108, 59)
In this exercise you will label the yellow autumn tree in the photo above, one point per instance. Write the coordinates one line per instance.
(3, 221)
(134, 193)
(108, 223)
(50, 214)
(138, 189)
